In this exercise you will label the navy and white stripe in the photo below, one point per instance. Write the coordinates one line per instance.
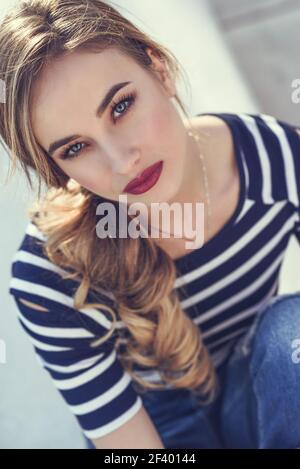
(221, 285)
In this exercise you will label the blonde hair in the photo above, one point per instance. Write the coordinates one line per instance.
(139, 273)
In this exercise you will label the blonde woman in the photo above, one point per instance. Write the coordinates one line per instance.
(151, 344)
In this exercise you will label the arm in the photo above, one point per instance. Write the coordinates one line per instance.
(138, 432)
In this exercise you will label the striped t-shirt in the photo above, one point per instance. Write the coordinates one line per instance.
(226, 281)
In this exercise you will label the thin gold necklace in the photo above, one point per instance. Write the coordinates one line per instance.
(204, 180)
(205, 184)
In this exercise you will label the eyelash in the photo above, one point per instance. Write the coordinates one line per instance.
(130, 97)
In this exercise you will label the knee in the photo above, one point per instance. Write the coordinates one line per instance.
(277, 340)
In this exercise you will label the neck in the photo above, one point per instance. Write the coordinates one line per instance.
(192, 188)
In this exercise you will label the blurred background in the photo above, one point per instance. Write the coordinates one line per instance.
(239, 56)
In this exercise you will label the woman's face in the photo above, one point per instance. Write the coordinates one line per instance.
(138, 126)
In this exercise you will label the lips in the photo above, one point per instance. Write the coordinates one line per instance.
(143, 178)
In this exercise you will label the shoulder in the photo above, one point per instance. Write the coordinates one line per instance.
(30, 266)
(218, 144)
(35, 279)
(271, 151)
(216, 128)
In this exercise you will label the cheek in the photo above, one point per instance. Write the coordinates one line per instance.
(165, 131)
(92, 177)
(160, 124)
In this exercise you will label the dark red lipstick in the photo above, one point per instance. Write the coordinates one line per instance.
(145, 181)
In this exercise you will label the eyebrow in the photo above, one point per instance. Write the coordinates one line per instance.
(99, 112)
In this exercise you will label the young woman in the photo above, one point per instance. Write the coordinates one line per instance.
(151, 344)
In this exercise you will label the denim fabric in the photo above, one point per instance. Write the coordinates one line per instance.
(89, 443)
(259, 401)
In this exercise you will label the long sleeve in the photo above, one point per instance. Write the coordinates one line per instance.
(91, 380)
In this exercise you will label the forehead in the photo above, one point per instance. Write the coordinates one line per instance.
(70, 84)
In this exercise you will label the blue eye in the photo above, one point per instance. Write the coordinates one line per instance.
(129, 98)
(66, 154)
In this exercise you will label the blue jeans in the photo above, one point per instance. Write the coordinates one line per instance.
(259, 401)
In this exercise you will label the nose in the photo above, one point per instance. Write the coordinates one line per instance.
(126, 165)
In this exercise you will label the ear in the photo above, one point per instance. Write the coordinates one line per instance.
(161, 70)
